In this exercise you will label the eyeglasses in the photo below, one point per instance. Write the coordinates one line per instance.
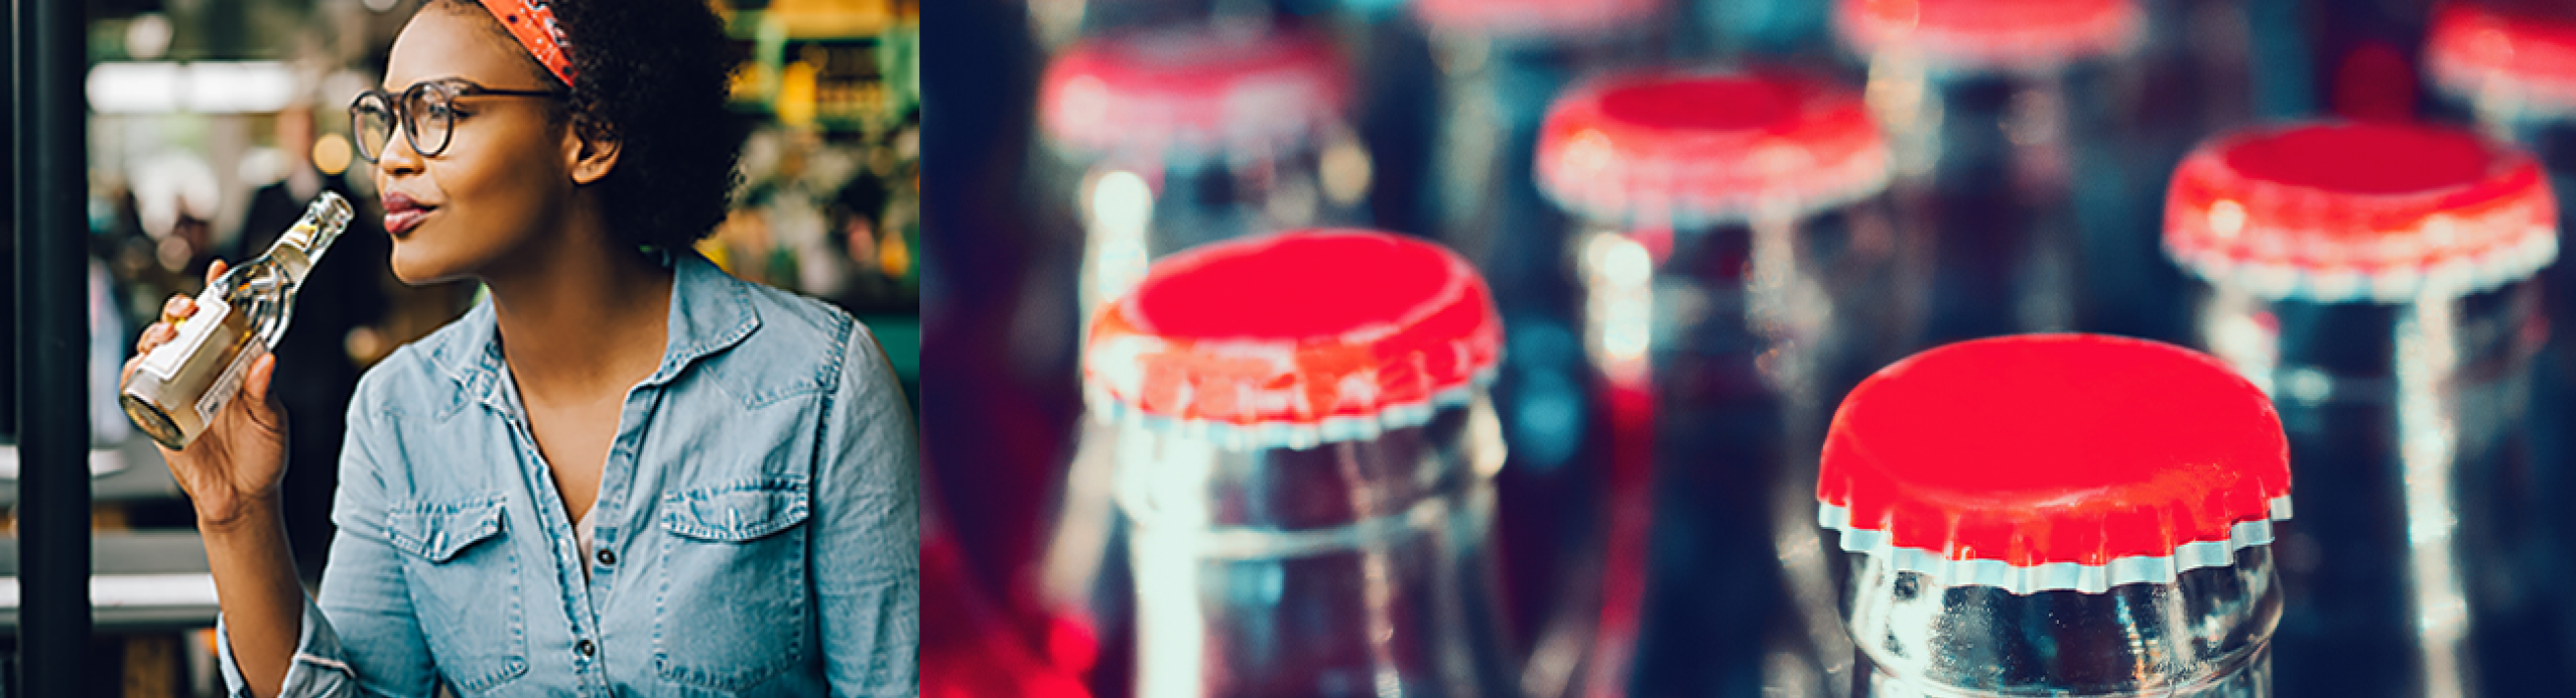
(426, 110)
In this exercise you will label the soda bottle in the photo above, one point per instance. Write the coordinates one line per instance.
(1496, 65)
(1182, 135)
(2058, 515)
(1739, 261)
(2376, 279)
(1992, 107)
(1305, 458)
(1187, 135)
(2511, 68)
(179, 388)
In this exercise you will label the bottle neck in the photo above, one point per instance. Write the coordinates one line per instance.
(1354, 566)
(2416, 408)
(2253, 679)
(2206, 633)
(303, 244)
(2368, 353)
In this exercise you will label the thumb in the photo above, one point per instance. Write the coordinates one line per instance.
(258, 399)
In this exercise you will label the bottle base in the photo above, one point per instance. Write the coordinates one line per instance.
(154, 422)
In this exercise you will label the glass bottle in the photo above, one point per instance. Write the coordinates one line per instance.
(2058, 515)
(1500, 64)
(180, 386)
(1740, 262)
(1305, 459)
(2510, 67)
(1172, 137)
(1991, 108)
(2376, 280)
(1193, 134)
(1497, 65)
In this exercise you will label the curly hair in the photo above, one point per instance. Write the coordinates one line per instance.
(653, 75)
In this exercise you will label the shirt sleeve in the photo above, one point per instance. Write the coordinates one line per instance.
(359, 637)
(318, 669)
(867, 537)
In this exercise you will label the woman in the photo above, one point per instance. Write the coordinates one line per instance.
(626, 471)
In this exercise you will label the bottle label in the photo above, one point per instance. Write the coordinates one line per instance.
(194, 331)
(221, 392)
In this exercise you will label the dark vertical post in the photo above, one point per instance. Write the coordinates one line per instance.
(53, 430)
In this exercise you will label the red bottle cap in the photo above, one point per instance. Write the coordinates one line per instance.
(1192, 92)
(1534, 19)
(2340, 212)
(1686, 149)
(1295, 339)
(2523, 51)
(1991, 34)
(2047, 462)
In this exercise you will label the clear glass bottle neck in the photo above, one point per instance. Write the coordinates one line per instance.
(2417, 409)
(2208, 633)
(1355, 567)
(2373, 353)
(303, 244)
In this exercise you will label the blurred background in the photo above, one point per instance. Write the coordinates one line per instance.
(1077, 139)
(213, 122)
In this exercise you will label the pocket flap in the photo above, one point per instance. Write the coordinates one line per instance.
(736, 512)
(440, 530)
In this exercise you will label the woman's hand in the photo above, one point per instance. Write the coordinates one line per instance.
(232, 470)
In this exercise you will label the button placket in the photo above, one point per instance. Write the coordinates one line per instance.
(617, 474)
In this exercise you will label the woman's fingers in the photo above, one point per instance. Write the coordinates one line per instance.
(215, 270)
(179, 306)
(260, 405)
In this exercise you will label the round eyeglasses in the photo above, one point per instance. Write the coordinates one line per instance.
(426, 110)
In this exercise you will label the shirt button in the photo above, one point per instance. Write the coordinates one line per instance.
(607, 557)
(585, 648)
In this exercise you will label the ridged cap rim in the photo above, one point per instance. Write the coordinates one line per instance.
(1199, 91)
(2332, 212)
(2068, 461)
(1688, 148)
(1295, 339)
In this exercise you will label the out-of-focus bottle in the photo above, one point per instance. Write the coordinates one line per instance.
(1195, 134)
(2058, 515)
(1170, 138)
(1497, 64)
(1992, 109)
(2512, 64)
(1738, 262)
(1305, 457)
(1500, 63)
(180, 386)
(2511, 67)
(2377, 281)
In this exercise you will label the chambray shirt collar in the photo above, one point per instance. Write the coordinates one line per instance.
(710, 311)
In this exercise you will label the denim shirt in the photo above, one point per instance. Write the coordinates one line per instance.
(755, 525)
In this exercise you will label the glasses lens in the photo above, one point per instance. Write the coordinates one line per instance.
(373, 127)
(427, 107)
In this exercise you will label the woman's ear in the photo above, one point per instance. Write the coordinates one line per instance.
(589, 159)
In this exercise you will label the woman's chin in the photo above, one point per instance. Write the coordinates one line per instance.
(416, 269)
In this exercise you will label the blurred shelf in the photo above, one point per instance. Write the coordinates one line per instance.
(140, 582)
(139, 477)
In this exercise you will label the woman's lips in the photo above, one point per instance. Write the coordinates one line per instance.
(402, 221)
(402, 213)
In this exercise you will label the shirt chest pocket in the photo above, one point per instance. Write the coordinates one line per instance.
(464, 583)
(734, 607)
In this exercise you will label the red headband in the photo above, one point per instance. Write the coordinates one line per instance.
(533, 24)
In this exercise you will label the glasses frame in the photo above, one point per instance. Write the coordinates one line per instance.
(408, 122)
